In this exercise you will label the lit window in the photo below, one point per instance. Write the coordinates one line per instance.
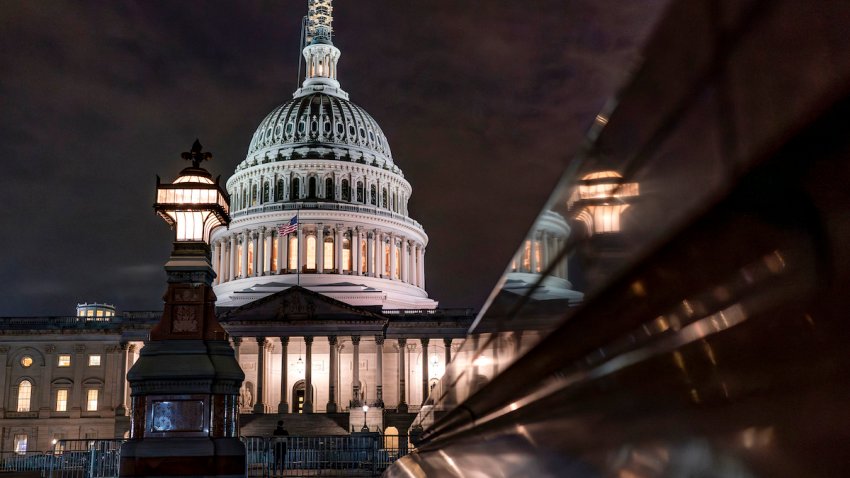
(274, 252)
(311, 252)
(20, 444)
(94, 360)
(251, 258)
(386, 260)
(26, 361)
(64, 361)
(91, 400)
(329, 254)
(24, 395)
(397, 271)
(293, 252)
(61, 400)
(364, 256)
(346, 255)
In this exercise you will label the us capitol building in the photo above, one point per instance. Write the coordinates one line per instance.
(323, 319)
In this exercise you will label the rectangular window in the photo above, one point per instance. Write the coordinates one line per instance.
(24, 395)
(329, 256)
(94, 360)
(91, 400)
(20, 444)
(61, 400)
(64, 361)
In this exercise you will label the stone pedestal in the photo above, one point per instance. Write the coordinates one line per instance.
(185, 385)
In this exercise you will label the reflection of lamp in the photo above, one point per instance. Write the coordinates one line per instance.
(600, 200)
(365, 428)
(434, 364)
(482, 361)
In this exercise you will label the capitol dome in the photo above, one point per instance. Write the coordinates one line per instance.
(342, 129)
(321, 164)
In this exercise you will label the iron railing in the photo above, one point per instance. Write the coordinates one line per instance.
(364, 455)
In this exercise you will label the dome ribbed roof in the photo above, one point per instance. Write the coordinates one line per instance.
(319, 119)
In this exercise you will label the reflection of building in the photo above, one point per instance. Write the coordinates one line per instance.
(330, 317)
(599, 201)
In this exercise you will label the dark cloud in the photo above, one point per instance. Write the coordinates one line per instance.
(483, 103)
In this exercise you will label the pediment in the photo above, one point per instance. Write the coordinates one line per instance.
(297, 303)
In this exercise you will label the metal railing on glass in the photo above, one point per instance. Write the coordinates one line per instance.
(355, 455)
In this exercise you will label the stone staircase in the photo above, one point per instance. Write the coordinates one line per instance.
(314, 424)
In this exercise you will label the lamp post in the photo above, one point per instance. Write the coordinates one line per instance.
(185, 385)
(365, 428)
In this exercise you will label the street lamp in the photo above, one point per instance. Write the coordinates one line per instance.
(365, 428)
(186, 382)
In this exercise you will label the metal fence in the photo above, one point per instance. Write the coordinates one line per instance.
(354, 455)
(69, 458)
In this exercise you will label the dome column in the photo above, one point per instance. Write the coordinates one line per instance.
(244, 272)
(338, 247)
(320, 248)
(282, 254)
(301, 251)
(259, 251)
(267, 252)
(382, 255)
(393, 258)
(233, 248)
(356, 261)
(402, 402)
(402, 249)
(370, 247)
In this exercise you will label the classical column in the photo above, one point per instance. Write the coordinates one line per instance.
(370, 247)
(534, 248)
(393, 258)
(448, 344)
(338, 248)
(215, 253)
(331, 407)
(320, 249)
(425, 388)
(5, 371)
(544, 250)
(282, 253)
(302, 249)
(356, 260)
(231, 270)
(402, 349)
(411, 266)
(382, 256)
(422, 267)
(355, 381)
(124, 354)
(49, 350)
(403, 259)
(222, 261)
(379, 370)
(237, 341)
(79, 368)
(308, 376)
(244, 272)
(283, 406)
(414, 249)
(267, 252)
(257, 260)
(259, 405)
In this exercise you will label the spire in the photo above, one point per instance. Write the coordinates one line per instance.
(320, 54)
(320, 21)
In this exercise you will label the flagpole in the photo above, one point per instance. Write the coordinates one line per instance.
(298, 230)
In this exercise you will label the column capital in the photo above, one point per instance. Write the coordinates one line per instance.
(261, 341)
(308, 340)
(425, 341)
(379, 339)
(332, 339)
(284, 340)
(355, 339)
(124, 345)
(237, 341)
(402, 342)
(447, 342)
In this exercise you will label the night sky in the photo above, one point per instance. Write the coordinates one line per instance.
(483, 104)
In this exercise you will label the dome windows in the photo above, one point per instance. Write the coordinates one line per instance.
(302, 127)
(314, 127)
(351, 130)
(329, 189)
(289, 128)
(340, 129)
(277, 131)
(362, 133)
(346, 191)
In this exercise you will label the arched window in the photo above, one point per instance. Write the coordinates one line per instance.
(384, 198)
(250, 258)
(329, 189)
(360, 191)
(364, 257)
(328, 254)
(266, 191)
(311, 187)
(24, 395)
(254, 195)
(346, 191)
(292, 260)
(295, 190)
(397, 271)
(278, 192)
(311, 253)
(386, 270)
(244, 202)
(374, 196)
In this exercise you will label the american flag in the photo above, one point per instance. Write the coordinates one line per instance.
(285, 229)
